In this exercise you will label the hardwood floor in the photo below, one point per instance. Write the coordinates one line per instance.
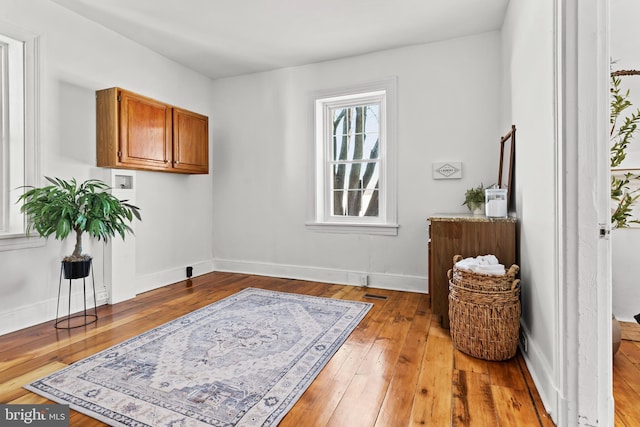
(398, 368)
(626, 383)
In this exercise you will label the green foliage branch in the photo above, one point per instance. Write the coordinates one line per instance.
(67, 206)
(623, 128)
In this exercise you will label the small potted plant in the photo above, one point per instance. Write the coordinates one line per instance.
(67, 206)
(474, 199)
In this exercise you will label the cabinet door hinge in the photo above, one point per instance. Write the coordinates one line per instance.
(119, 98)
(119, 153)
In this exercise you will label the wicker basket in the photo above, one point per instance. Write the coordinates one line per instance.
(483, 282)
(485, 317)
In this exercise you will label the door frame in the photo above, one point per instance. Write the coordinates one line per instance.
(584, 251)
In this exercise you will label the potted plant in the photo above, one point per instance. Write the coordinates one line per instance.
(67, 206)
(474, 199)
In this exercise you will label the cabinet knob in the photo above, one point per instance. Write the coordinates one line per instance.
(166, 161)
(177, 162)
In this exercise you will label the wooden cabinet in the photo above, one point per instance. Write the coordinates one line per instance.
(468, 236)
(190, 141)
(136, 132)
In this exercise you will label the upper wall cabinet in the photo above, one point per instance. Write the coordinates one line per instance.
(136, 132)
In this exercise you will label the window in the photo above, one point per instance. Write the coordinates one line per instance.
(18, 130)
(355, 160)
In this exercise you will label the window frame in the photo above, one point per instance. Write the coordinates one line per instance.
(382, 93)
(15, 237)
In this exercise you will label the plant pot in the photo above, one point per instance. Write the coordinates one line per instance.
(76, 269)
(476, 208)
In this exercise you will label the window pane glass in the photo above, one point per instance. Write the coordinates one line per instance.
(342, 143)
(372, 123)
(370, 149)
(355, 132)
(355, 189)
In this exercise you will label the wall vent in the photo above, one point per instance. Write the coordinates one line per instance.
(373, 296)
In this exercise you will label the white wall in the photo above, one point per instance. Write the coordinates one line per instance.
(79, 57)
(257, 190)
(625, 243)
(448, 108)
(528, 67)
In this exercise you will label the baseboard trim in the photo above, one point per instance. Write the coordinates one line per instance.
(393, 282)
(157, 280)
(44, 311)
(542, 375)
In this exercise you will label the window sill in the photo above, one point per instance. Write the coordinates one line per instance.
(11, 242)
(353, 228)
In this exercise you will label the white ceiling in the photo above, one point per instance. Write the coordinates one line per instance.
(221, 38)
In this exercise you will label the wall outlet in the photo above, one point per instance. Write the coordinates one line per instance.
(523, 341)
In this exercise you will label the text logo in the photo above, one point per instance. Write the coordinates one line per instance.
(34, 415)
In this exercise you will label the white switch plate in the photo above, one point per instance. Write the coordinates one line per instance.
(447, 170)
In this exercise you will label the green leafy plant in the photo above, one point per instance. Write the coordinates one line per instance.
(623, 128)
(67, 206)
(474, 197)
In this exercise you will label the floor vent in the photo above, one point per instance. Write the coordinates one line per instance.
(372, 296)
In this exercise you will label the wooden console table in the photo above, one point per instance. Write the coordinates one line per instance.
(469, 236)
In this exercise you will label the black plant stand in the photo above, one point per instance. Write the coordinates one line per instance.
(88, 318)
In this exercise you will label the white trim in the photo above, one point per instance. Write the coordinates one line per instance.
(14, 240)
(582, 368)
(559, 370)
(541, 373)
(383, 92)
(170, 276)
(394, 282)
(558, 373)
(4, 136)
(45, 310)
(352, 228)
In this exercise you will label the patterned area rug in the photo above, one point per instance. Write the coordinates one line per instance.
(242, 361)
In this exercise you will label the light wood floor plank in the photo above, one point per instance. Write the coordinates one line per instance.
(432, 403)
(12, 389)
(396, 408)
(543, 416)
(332, 383)
(626, 390)
(632, 350)
(370, 383)
(513, 407)
(472, 400)
(464, 362)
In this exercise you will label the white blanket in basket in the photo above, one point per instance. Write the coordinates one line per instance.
(485, 264)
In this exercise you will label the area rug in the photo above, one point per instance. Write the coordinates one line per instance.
(241, 361)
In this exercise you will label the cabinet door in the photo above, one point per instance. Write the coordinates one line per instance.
(469, 239)
(145, 132)
(190, 142)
